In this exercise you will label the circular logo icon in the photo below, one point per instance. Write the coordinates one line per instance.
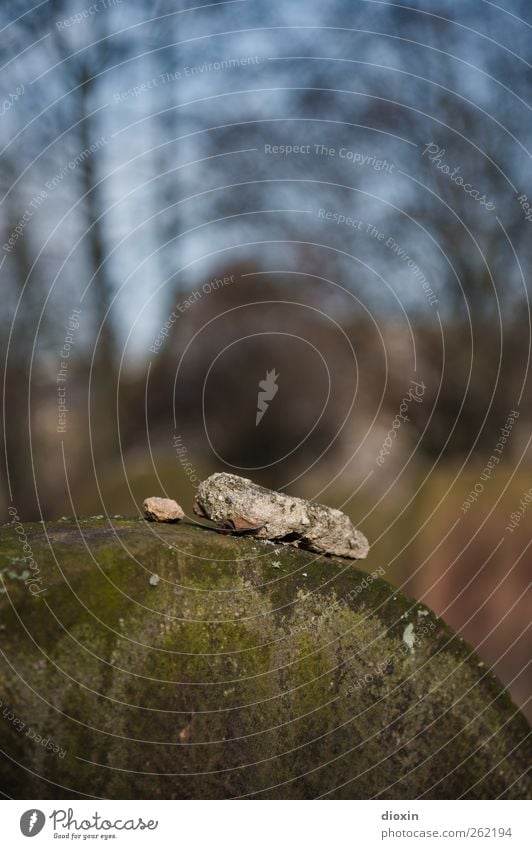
(32, 822)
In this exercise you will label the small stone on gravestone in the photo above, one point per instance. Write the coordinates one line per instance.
(162, 510)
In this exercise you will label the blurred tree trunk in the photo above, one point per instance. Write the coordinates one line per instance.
(100, 292)
(16, 459)
(101, 289)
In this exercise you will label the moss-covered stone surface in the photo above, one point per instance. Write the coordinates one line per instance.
(241, 669)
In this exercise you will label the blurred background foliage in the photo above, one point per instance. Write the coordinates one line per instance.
(137, 164)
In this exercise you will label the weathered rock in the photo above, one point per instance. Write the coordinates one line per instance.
(163, 510)
(248, 671)
(240, 504)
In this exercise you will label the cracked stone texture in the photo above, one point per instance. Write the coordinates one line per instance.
(267, 514)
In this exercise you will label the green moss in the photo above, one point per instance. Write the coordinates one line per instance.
(248, 669)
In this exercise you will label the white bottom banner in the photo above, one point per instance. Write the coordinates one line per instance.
(267, 824)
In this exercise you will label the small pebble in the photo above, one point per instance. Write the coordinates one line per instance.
(162, 510)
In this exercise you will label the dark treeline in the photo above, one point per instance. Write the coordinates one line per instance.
(363, 162)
